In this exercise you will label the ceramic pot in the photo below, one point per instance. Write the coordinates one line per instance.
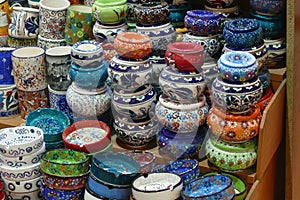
(181, 86)
(264, 101)
(51, 121)
(276, 53)
(222, 3)
(133, 45)
(88, 103)
(89, 78)
(146, 159)
(129, 74)
(152, 13)
(49, 43)
(134, 105)
(130, 17)
(110, 12)
(11, 145)
(236, 98)
(210, 187)
(237, 67)
(29, 68)
(54, 194)
(89, 136)
(114, 168)
(22, 173)
(65, 163)
(30, 195)
(185, 56)
(201, 22)
(58, 62)
(20, 42)
(135, 134)
(54, 145)
(265, 78)
(259, 51)
(231, 157)
(161, 36)
(234, 128)
(272, 26)
(210, 73)
(52, 15)
(23, 186)
(108, 33)
(243, 33)
(6, 76)
(181, 117)
(177, 14)
(158, 64)
(9, 104)
(160, 185)
(268, 7)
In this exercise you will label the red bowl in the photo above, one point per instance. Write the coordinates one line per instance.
(88, 136)
(186, 56)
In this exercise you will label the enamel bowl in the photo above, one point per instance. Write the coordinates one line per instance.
(20, 141)
(21, 173)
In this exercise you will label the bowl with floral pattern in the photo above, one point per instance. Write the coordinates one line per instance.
(64, 163)
(146, 159)
(52, 121)
(21, 141)
(268, 7)
(55, 194)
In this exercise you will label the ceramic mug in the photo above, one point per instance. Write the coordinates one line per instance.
(25, 23)
(29, 68)
(6, 76)
(79, 24)
(53, 15)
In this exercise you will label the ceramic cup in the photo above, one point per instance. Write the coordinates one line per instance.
(29, 68)
(25, 23)
(79, 24)
(6, 76)
(58, 100)
(58, 62)
(53, 15)
(49, 43)
(9, 104)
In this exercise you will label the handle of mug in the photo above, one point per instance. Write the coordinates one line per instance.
(10, 9)
(21, 25)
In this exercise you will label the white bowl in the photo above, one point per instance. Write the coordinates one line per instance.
(23, 186)
(21, 173)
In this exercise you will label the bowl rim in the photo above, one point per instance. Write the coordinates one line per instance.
(185, 48)
(194, 163)
(87, 158)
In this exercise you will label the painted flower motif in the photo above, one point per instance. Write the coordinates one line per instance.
(31, 25)
(72, 14)
(80, 34)
(232, 124)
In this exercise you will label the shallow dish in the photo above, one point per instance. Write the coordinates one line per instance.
(50, 120)
(20, 141)
(146, 159)
(23, 186)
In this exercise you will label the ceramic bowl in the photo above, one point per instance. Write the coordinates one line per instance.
(265, 78)
(23, 186)
(133, 45)
(53, 122)
(88, 136)
(202, 22)
(108, 191)
(158, 64)
(236, 98)
(181, 117)
(234, 128)
(21, 173)
(243, 33)
(152, 12)
(222, 3)
(90, 195)
(210, 187)
(264, 101)
(87, 53)
(129, 74)
(276, 53)
(187, 169)
(107, 33)
(146, 159)
(108, 51)
(9, 104)
(135, 133)
(177, 14)
(64, 163)
(28, 196)
(46, 43)
(185, 56)
(23, 161)
(65, 183)
(54, 194)
(237, 67)
(20, 42)
(13, 142)
(54, 145)
(229, 156)
(92, 103)
(114, 168)
(182, 86)
(268, 7)
(158, 185)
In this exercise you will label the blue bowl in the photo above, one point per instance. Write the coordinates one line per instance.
(54, 145)
(52, 121)
(53, 194)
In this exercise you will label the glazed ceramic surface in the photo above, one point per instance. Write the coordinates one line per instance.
(22, 173)
(236, 98)
(58, 62)
(54, 194)
(114, 168)
(53, 122)
(23, 186)
(106, 32)
(177, 14)
(49, 43)
(268, 7)
(53, 14)
(54, 145)
(264, 101)
(88, 103)
(237, 67)
(182, 86)
(64, 163)
(20, 42)
(276, 53)
(161, 185)
(210, 73)
(209, 187)
(29, 68)
(29, 196)
(90, 195)
(108, 51)
(181, 117)
(234, 128)
(151, 13)
(6, 76)
(222, 3)
(9, 104)
(88, 2)
(146, 159)
(158, 64)
(243, 33)
(129, 74)
(201, 22)
(89, 136)
(20, 141)
(265, 78)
